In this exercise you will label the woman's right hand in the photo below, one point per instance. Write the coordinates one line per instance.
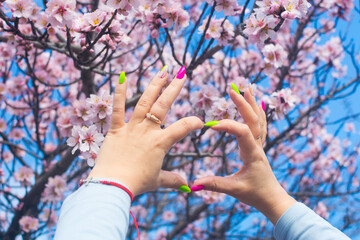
(255, 183)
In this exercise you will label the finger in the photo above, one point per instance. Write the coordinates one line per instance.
(243, 135)
(166, 99)
(263, 124)
(247, 111)
(118, 113)
(149, 96)
(218, 184)
(168, 179)
(180, 129)
(257, 128)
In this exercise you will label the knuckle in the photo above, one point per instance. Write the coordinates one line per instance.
(186, 125)
(162, 104)
(214, 185)
(143, 103)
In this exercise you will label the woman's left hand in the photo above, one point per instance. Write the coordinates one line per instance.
(133, 152)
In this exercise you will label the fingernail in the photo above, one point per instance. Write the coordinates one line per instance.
(233, 86)
(122, 77)
(197, 188)
(251, 91)
(181, 73)
(263, 105)
(184, 189)
(163, 71)
(211, 123)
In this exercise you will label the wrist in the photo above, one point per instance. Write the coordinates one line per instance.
(102, 173)
(274, 206)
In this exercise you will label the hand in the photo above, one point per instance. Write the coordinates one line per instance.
(254, 184)
(133, 152)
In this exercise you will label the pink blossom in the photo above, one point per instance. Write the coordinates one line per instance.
(269, 6)
(7, 156)
(54, 189)
(282, 102)
(214, 30)
(168, 216)
(176, 15)
(74, 140)
(350, 127)
(221, 109)
(322, 210)
(139, 211)
(63, 121)
(16, 134)
(274, 54)
(331, 50)
(49, 217)
(230, 7)
(90, 158)
(100, 105)
(90, 138)
(95, 18)
(122, 4)
(259, 27)
(82, 112)
(61, 12)
(204, 98)
(24, 175)
(28, 224)
(21, 8)
(3, 125)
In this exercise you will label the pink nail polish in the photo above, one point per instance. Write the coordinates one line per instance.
(181, 73)
(197, 188)
(263, 105)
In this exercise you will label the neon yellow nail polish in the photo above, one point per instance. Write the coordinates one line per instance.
(163, 71)
(163, 68)
(211, 123)
(184, 189)
(122, 77)
(233, 86)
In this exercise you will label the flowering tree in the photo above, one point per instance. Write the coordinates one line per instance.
(60, 61)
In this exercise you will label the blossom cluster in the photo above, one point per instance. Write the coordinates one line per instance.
(28, 224)
(282, 102)
(219, 29)
(89, 120)
(208, 101)
(54, 189)
(261, 23)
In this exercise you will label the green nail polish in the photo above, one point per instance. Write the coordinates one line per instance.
(122, 77)
(211, 123)
(233, 86)
(184, 189)
(163, 67)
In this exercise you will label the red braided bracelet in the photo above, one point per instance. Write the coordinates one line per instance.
(82, 181)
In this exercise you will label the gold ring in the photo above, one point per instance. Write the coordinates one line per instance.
(153, 118)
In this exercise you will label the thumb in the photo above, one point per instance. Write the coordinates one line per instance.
(217, 184)
(169, 179)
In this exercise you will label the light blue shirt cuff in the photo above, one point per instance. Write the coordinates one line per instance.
(301, 223)
(94, 211)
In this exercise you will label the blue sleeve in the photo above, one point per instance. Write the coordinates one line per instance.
(96, 211)
(301, 223)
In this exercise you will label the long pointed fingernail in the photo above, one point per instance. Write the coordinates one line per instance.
(263, 105)
(197, 188)
(163, 71)
(184, 189)
(251, 90)
(211, 123)
(122, 77)
(234, 87)
(181, 73)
